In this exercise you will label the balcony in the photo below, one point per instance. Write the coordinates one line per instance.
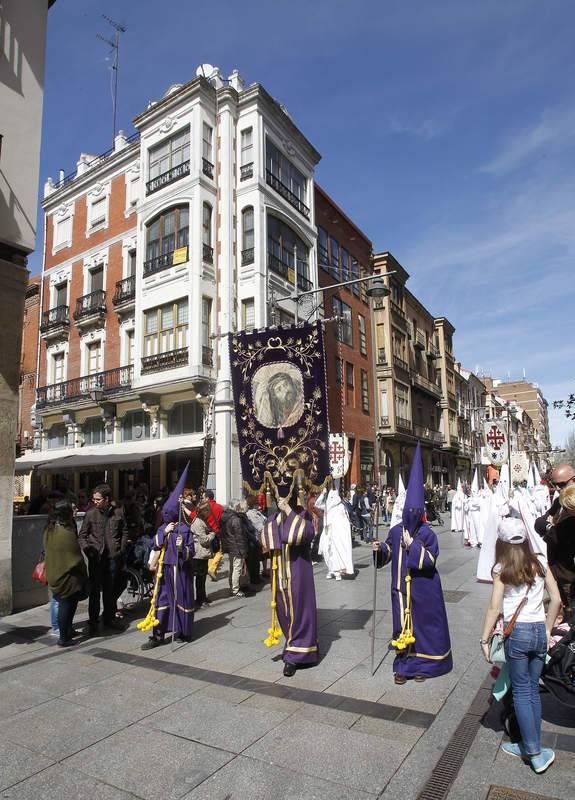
(165, 261)
(110, 382)
(399, 362)
(162, 361)
(398, 315)
(55, 322)
(426, 385)
(403, 423)
(207, 356)
(384, 422)
(303, 282)
(423, 432)
(280, 267)
(207, 168)
(248, 256)
(125, 293)
(207, 254)
(90, 308)
(246, 171)
(419, 342)
(166, 178)
(433, 351)
(286, 193)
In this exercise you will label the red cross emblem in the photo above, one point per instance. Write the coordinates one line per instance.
(495, 438)
(336, 452)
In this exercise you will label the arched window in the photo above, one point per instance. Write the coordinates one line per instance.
(93, 431)
(168, 232)
(135, 426)
(186, 418)
(248, 235)
(287, 253)
(57, 436)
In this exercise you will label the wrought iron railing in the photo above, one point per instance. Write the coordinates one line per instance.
(399, 362)
(278, 266)
(125, 290)
(207, 168)
(248, 256)
(247, 171)
(384, 422)
(56, 317)
(303, 282)
(381, 359)
(164, 261)
(110, 381)
(423, 432)
(207, 356)
(170, 176)
(419, 342)
(162, 361)
(286, 193)
(90, 304)
(433, 350)
(135, 137)
(208, 254)
(424, 383)
(402, 422)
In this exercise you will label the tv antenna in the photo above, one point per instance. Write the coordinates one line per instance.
(115, 45)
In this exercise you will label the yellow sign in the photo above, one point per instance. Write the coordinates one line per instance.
(291, 275)
(180, 255)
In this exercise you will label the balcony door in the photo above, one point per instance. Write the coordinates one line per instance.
(94, 357)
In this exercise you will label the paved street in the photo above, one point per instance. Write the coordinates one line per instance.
(216, 720)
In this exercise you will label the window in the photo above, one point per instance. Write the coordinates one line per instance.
(363, 286)
(57, 436)
(129, 354)
(286, 250)
(166, 328)
(246, 144)
(344, 330)
(94, 357)
(207, 142)
(186, 418)
(247, 229)
(344, 264)
(207, 224)
(402, 403)
(362, 335)
(248, 314)
(61, 294)
(167, 233)
(96, 279)
(338, 370)
(383, 406)
(93, 431)
(396, 294)
(349, 375)
(98, 211)
(282, 174)
(354, 275)
(206, 321)
(334, 257)
(132, 190)
(58, 367)
(62, 231)
(135, 425)
(172, 153)
(131, 263)
(364, 390)
(323, 244)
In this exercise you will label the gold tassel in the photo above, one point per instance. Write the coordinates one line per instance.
(406, 637)
(268, 496)
(275, 630)
(151, 621)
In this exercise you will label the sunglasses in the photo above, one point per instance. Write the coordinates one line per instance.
(561, 484)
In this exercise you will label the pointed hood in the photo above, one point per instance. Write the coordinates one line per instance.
(400, 486)
(536, 474)
(459, 487)
(530, 480)
(475, 483)
(171, 508)
(414, 506)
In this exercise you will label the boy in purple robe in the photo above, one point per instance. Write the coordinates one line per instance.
(175, 539)
(288, 536)
(420, 628)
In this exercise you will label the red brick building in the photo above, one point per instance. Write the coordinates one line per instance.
(28, 363)
(344, 253)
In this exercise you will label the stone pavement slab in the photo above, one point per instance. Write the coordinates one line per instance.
(149, 763)
(62, 783)
(18, 763)
(215, 722)
(16, 696)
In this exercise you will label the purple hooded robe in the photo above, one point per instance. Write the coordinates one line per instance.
(291, 540)
(430, 654)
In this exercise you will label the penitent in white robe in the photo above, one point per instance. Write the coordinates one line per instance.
(335, 541)
(457, 522)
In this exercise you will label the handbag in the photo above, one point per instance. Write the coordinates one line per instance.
(39, 573)
(497, 638)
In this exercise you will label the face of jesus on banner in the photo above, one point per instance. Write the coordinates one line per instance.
(277, 391)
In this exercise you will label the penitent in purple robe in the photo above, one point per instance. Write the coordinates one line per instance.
(430, 655)
(290, 539)
(181, 578)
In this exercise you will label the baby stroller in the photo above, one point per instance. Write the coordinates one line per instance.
(559, 672)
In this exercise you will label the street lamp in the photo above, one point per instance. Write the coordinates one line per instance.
(377, 289)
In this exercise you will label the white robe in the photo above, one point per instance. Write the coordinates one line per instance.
(335, 540)
(457, 512)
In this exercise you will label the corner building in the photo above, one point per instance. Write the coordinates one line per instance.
(154, 252)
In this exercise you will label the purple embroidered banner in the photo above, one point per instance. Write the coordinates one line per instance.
(279, 385)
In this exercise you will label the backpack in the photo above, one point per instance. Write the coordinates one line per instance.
(559, 672)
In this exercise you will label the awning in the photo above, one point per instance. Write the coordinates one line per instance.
(129, 454)
(27, 462)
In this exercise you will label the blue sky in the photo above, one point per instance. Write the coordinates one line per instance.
(447, 133)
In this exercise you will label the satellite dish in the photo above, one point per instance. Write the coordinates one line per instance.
(204, 70)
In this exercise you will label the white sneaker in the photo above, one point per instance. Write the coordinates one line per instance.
(54, 632)
(329, 576)
(338, 577)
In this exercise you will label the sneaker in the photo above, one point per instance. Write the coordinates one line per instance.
(329, 576)
(544, 760)
(54, 632)
(513, 749)
(338, 577)
(239, 594)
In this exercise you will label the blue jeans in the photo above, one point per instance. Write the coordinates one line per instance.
(66, 610)
(525, 650)
(54, 613)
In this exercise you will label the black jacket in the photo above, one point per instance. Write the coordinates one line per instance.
(233, 534)
(104, 532)
(560, 540)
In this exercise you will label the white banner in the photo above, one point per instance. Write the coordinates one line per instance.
(496, 445)
(338, 454)
(519, 466)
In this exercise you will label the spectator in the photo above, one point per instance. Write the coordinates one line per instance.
(253, 558)
(203, 537)
(65, 568)
(214, 522)
(257, 520)
(84, 501)
(103, 539)
(390, 503)
(451, 492)
(362, 509)
(234, 541)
